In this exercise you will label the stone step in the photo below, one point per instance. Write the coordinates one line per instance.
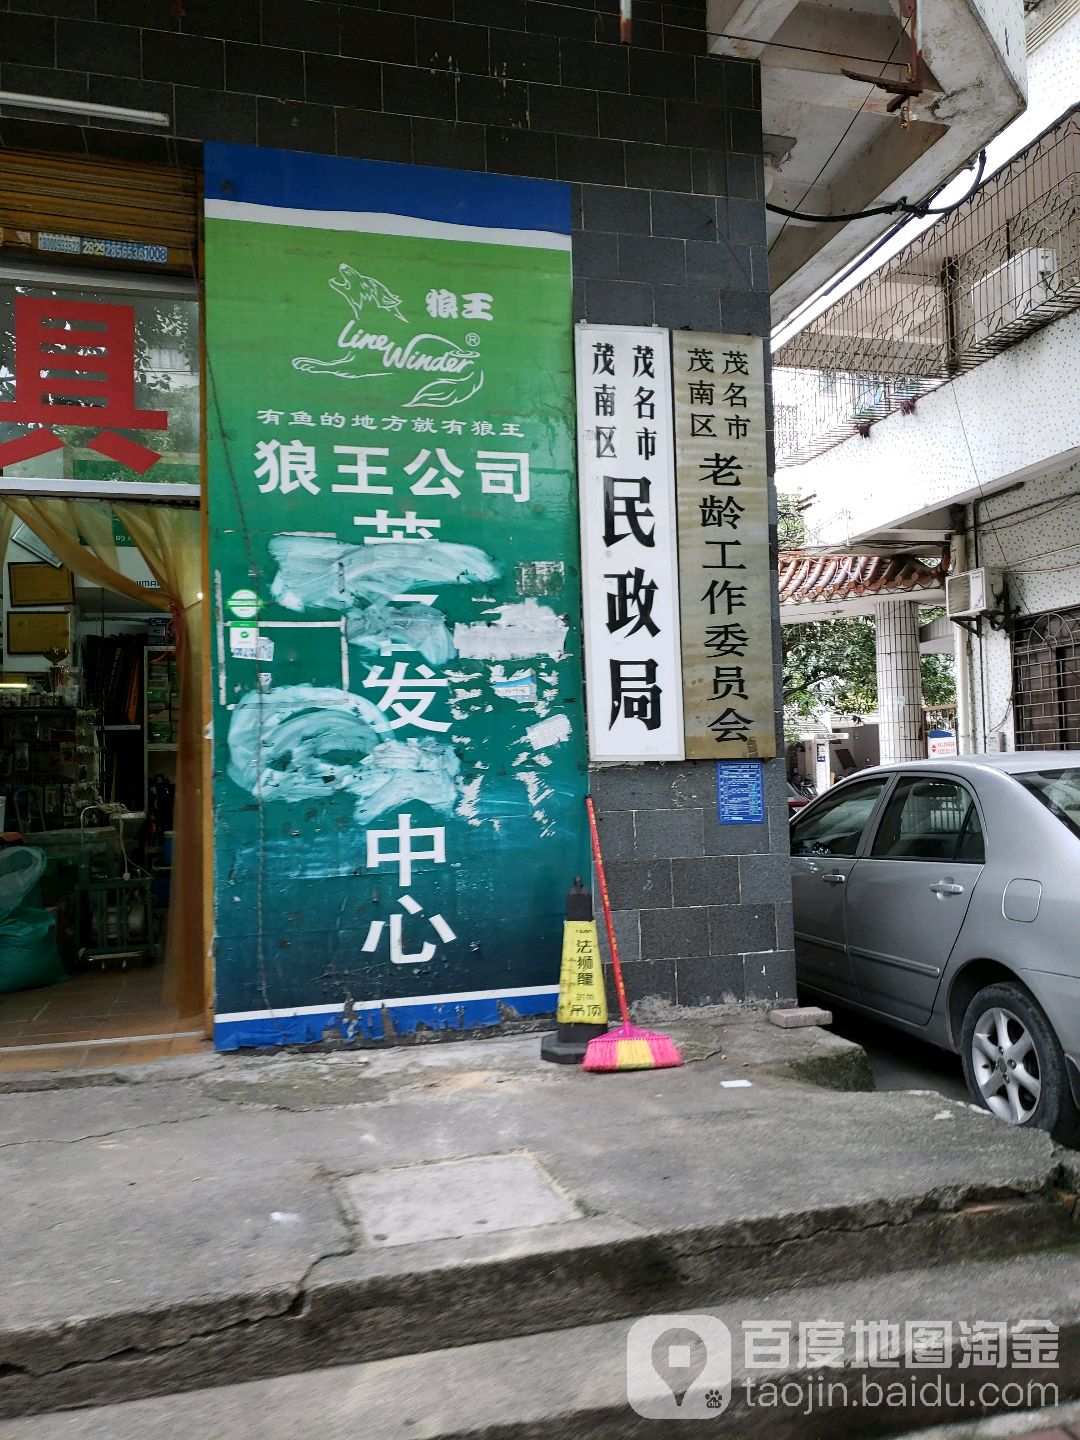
(572, 1382)
(378, 1304)
(272, 1217)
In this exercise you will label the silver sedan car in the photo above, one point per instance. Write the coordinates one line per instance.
(943, 897)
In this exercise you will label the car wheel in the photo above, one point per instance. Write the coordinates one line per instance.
(1014, 1065)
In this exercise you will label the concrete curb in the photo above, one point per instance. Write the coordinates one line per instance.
(809, 1053)
(573, 1382)
(374, 1305)
(833, 1068)
(1019, 1425)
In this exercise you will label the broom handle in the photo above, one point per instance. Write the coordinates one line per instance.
(599, 861)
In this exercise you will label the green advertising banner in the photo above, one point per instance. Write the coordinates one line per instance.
(398, 728)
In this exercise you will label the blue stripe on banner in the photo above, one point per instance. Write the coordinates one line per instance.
(289, 179)
(263, 1030)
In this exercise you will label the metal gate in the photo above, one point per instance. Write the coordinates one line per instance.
(1046, 682)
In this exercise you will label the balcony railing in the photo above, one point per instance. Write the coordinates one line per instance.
(1002, 265)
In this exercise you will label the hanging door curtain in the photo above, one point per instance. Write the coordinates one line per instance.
(81, 533)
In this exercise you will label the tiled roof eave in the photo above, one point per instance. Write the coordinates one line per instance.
(826, 579)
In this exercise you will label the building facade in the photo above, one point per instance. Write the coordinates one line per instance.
(970, 341)
(338, 253)
(633, 176)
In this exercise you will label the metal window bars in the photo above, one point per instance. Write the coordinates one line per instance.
(1046, 682)
(1001, 266)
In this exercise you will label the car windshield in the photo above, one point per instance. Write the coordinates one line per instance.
(1059, 791)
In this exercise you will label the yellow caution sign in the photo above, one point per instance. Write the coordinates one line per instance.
(581, 980)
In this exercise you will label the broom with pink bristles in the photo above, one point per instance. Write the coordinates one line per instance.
(627, 1048)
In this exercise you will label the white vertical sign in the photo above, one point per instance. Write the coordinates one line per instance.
(629, 565)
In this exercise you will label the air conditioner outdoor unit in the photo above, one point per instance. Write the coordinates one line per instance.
(1014, 289)
(973, 592)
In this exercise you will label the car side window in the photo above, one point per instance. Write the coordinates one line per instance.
(970, 847)
(929, 820)
(835, 826)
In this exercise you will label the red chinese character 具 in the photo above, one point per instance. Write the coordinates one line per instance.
(56, 385)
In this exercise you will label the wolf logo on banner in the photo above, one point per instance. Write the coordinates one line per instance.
(367, 354)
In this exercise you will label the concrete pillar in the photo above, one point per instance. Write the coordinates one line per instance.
(899, 681)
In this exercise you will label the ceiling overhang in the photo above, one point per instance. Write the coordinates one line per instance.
(860, 139)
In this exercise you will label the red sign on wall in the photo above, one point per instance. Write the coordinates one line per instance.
(75, 365)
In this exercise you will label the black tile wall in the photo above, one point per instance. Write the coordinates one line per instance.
(448, 142)
(372, 135)
(661, 142)
(520, 152)
(712, 903)
(334, 80)
(234, 20)
(519, 56)
(213, 116)
(36, 80)
(28, 39)
(543, 67)
(563, 110)
(109, 49)
(490, 100)
(184, 57)
(286, 22)
(375, 35)
(258, 70)
(291, 125)
(445, 46)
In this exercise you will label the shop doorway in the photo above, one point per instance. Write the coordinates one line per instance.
(94, 966)
(102, 950)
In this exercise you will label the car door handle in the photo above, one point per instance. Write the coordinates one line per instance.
(946, 887)
(834, 877)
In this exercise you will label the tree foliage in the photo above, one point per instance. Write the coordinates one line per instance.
(832, 664)
(791, 527)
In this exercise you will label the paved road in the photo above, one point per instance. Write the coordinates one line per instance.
(900, 1062)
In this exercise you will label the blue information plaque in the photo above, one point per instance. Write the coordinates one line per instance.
(740, 792)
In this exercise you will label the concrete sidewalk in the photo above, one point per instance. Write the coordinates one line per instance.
(1060, 1423)
(212, 1221)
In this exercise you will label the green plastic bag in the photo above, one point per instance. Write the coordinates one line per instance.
(28, 953)
(21, 867)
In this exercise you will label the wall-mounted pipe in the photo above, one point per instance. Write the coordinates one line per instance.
(965, 744)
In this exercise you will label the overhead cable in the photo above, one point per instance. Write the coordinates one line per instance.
(896, 207)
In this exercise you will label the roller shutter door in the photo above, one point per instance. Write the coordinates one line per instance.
(103, 212)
